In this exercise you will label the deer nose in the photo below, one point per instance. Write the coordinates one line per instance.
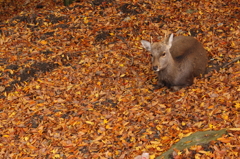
(155, 68)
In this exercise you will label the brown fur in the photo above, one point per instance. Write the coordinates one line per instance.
(177, 66)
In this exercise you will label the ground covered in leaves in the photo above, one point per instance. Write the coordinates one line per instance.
(76, 83)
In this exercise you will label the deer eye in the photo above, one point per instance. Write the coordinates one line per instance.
(163, 54)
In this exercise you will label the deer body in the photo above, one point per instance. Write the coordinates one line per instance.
(177, 61)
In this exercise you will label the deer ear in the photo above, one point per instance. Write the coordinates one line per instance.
(170, 40)
(146, 45)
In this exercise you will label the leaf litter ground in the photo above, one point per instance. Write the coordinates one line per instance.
(75, 82)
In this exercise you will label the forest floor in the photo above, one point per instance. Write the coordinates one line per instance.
(76, 83)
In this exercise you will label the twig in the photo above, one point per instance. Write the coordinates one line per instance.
(234, 60)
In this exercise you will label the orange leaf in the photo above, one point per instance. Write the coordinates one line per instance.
(44, 42)
(222, 139)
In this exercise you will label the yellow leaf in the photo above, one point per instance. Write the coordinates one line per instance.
(78, 92)
(13, 114)
(237, 105)
(165, 138)
(11, 71)
(96, 95)
(108, 127)
(219, 30)
(57, 156)
(137, 39)
(234, 129)
(69, 87)
(205, 152)
(89, 122)
(54, 150)
(152, 156)
(26, 138)
(85, 20)
(76, 123)
(105, 121)
(81, 62)
(156, 143)
(122, 75)
(168, 110)
(211, 126)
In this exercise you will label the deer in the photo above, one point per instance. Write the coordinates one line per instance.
(177, 61)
